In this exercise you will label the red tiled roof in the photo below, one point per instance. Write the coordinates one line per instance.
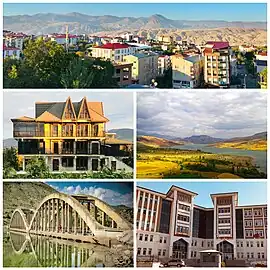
(262, 53)
(218, 44)
(113, 46)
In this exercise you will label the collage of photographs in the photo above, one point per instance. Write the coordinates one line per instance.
(134, 134)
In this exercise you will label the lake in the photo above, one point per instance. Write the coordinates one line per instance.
(260, 157)
(20, 250)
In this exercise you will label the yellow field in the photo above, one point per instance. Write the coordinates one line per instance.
(157, 165)
(259, 145)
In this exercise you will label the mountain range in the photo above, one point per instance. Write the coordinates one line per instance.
(46, 23)
(161, 140)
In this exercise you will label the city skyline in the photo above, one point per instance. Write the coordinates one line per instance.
(113, 193)
(246, 195)
(216, 114)
(176, 11)
(118, 108)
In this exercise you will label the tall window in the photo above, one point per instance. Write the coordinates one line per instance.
(82, 130)
(54, 130)
(67, 130)
(69, 112)
(84, 114)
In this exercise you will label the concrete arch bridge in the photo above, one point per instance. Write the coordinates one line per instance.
(77, 217)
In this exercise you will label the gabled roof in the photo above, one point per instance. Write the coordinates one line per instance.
(23, 119)
(218, 44)
(55, 110)
(48, 117)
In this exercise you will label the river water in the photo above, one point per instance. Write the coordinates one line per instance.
(260, 157)
(40, 251)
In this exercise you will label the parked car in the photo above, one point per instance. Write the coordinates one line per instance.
(173, 263)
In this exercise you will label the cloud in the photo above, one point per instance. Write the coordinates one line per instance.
(215, 113)
(110, 196)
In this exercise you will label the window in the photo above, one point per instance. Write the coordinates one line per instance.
(195, 243)
(67, 130)
(241, 244)
(146, 238)
(248, 255)
(195, 253)
(82, 130)
(150, 251)
(69, 112)
(159, 252)
(141, 237)
(67, 162)
(165, 240)
(262, 244)
(144, 251)
(262, 255)
(139, 251)
(259, 255)
(237, 244)
(252, 255)
(258, 244)
(84, 112)
(160, 240)
(242, 255)
(151, 238)
(191, 254)
(202, 243)
(251, 244)
(54, 130)
(164, 252)
(238, 255)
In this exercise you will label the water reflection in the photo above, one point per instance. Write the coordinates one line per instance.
(53, 252)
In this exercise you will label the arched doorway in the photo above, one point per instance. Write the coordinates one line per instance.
(226, 249)
(180, 249)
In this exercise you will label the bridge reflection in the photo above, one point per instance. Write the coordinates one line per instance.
(52, 252)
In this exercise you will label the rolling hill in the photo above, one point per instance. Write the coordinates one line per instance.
(157, 142)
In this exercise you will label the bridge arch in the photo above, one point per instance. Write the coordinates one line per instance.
(18, 220)
(51, 204)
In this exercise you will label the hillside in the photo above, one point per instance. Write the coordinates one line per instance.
(24, 195)
(257, 141)
(157, 142)
(202, 139)
(125, 211)
(123, 133)
(45, 23)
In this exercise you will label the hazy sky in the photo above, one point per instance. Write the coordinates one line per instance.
(246, 194)
(179, 11)
(118, 107)
(114, 193)
(220, 114)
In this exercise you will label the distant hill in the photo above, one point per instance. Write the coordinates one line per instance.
(24, 195)
(7, 143)
(156, 24)
(202, 139)
(157, 142)
(257, 141)
(125, 211)
(123, 133)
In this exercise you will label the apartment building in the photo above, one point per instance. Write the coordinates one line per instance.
(63, 39)
(187, 70)
(70, 136)
(123, 73)
(144, 68)
(164, 63)
(165, 39)
(260, 61)
(14, 40)
(217, 57)
(113, 51)
(11, 52)
(171, 226)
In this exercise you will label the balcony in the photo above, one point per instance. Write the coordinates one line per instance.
(28, 134)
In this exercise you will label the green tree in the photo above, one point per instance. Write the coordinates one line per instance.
(10, 158)
(37, 168)
(263, 77)
(165, 81)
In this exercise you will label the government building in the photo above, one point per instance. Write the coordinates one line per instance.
(171, 226)
(70, 136)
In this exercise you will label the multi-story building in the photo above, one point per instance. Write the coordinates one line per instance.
(14, 53)
(165, 39)
(63, 39)
(260, 61)
(171, 226)
(145, 67)
(14, 40)
(164, 63)
(112, 51)
(217, 56)
(187, 70)
(123, 73)
(70, 136)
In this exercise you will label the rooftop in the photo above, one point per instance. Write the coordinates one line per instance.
(113, 46)
(217, 44)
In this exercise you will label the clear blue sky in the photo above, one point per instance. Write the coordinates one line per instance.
(192, 11)
(248, 192)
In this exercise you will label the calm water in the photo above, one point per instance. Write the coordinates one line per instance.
(260, 157)
(40, 251)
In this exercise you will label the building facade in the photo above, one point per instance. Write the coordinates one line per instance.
(217, 57)
(164, 63)
(144, 68)
(63, 39)
(70, 136)
(123, 73)
(187, 70)
(11, 52)
(171, 226)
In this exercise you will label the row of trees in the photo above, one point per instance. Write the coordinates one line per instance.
(37, 169)
(45, 64)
